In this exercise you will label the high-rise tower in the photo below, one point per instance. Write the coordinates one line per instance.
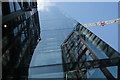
(20, 35)
(84, 54)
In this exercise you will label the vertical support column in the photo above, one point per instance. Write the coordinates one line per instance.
(105, 71)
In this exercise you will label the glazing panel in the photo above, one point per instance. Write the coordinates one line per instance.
(11, 7)
(113, 70)
(95, 73)
(55, 27)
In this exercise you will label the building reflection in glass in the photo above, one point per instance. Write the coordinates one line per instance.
(85, 55)
(20, 35)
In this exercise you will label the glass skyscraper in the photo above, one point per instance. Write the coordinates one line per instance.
(86, 56)
(47, 58)
(48, 44)
(68, 50)
(20, 35)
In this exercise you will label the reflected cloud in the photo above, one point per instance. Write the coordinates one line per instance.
(44, 4)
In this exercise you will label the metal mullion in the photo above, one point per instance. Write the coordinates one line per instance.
(103, 69)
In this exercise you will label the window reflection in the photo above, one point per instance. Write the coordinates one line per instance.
(17, 44)
(15, 31)
(11, 7)
(90, 47)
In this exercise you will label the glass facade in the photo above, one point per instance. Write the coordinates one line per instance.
(47, 59)
(82, 54)
(20, 36)
(85, 55)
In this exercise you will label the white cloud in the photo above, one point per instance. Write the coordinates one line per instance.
(43, 4)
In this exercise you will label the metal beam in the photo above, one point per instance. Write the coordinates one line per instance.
(91, 64)
(103, 69)
(16, 14)
(96, 63)
(109, 54)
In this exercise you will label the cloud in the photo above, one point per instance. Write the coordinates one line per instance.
(43, 4)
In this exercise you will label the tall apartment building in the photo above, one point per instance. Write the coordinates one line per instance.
(20, 35)
(86, 56)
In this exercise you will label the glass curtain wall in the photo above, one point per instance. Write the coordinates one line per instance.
(47, 58)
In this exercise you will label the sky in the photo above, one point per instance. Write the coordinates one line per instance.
(88, 12)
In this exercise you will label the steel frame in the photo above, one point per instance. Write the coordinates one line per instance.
(113, 59)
